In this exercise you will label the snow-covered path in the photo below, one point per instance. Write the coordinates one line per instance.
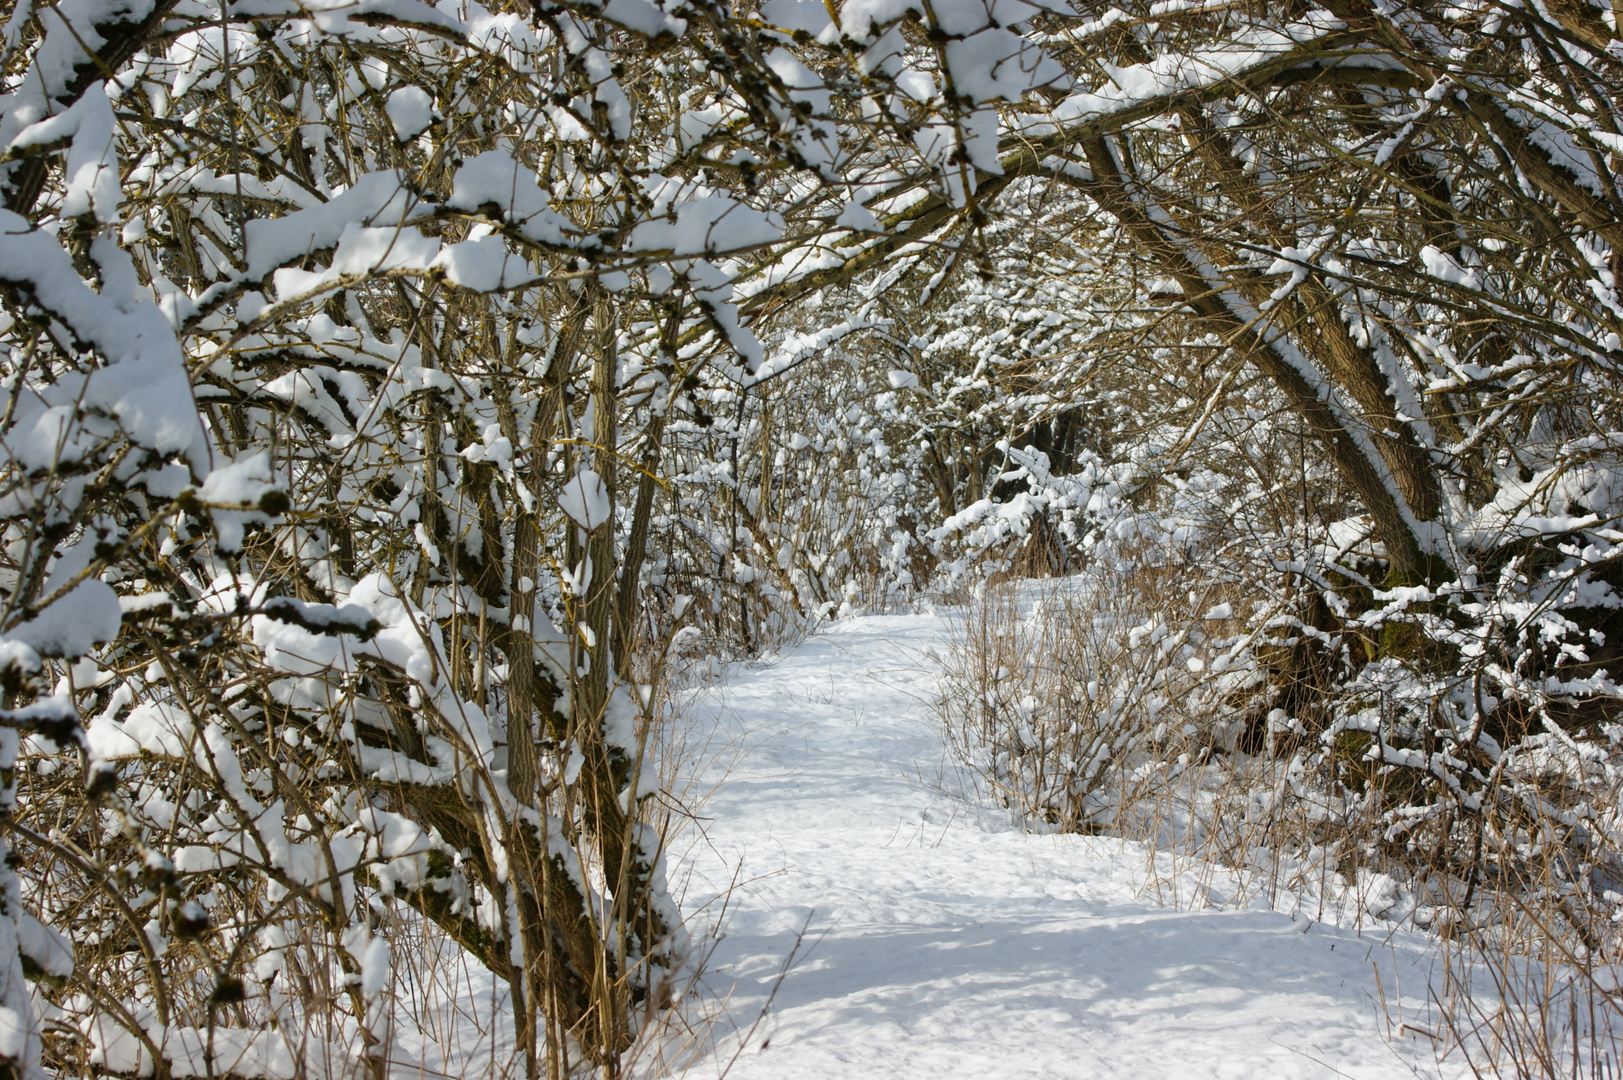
(941, 941)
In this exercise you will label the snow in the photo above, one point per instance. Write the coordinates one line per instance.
(80, 617)
(713, 287)
(857, 217)
(367, 251)
(494, 179)
(13, 1033)
(264, 1055)
(235, 491)
(938, 939)
(46, 946)
(809, 16)
(159, 728)
(87, 616)
(321, 618)
(585, 498)
(1441, 265)
(996, 64)
(375, 966)
(144, 383)
(362, 251)
(240, 483)
(1136, 84)
(639, 16)
(92, 174)
(379, 198)
(483, 265)
(803, 83)
(706, 225)
(938, 935)
(410, 111)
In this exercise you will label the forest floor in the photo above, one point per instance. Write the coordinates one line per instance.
(903, 927)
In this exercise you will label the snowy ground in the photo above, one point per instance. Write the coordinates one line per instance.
(938, 940)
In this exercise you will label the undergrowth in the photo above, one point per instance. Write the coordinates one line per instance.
(1336, 753)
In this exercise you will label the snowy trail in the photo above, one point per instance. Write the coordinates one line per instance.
(942, 941)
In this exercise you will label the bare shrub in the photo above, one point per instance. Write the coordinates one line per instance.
(1506, 1014)
(1065, 694)
(1319, 779)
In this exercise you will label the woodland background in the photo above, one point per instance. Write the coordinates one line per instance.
(398, 397)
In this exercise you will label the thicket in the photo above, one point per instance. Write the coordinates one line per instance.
(391, 388)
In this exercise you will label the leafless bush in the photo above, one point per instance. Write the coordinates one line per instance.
(1109, 702)
(1064, 694)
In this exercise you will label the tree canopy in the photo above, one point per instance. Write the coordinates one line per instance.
(391, 387)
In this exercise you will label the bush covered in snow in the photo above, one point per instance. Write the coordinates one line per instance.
(388, 384)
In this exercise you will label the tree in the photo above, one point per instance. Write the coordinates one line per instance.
(362, 357)
(318, 405)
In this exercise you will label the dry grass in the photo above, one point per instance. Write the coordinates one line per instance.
(1103, 703)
